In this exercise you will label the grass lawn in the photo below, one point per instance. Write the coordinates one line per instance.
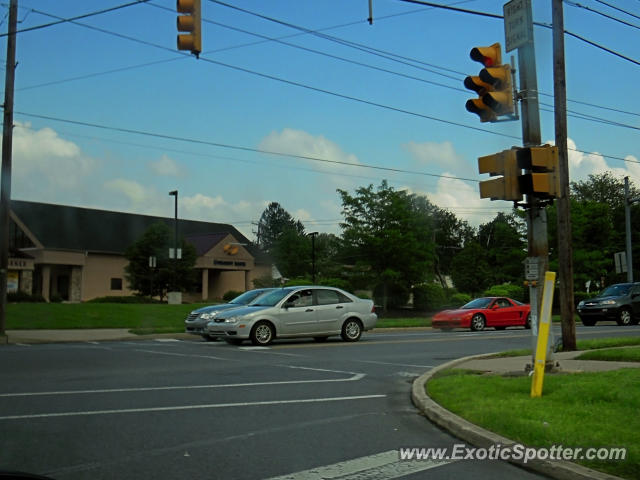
(580, 410)
(147, 318)
(584, 345)
(631, 354)
(141, 318)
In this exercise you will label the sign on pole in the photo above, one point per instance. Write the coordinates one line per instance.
(621, 261)
(518, 24)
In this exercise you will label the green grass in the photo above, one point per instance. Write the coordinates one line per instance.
(156, 317)
(581, 410)
(607, 342)
(613, 355)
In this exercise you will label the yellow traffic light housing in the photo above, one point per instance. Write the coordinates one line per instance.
(541, 163)
(493, 85)
(190, 22)
(505, 187)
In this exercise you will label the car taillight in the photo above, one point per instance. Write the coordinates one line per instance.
(373, 309)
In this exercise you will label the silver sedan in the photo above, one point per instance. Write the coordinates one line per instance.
(289, 312)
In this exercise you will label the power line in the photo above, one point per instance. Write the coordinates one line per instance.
(597, 12)
(492, 15)
(619, 9)
(239, 147)
(73, 19)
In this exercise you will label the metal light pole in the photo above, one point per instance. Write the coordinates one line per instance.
(174, 193)
(313, 256)
(627, 220)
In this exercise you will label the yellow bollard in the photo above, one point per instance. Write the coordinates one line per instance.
(543, 334)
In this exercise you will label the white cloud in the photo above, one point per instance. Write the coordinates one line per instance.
(136, 193)
(42, 161)
(166, 167)
(438, 155)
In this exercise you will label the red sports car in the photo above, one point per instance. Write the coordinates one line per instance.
(497, 312)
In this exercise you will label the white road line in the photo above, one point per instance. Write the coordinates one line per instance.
(189, 407)
(393, 364)
(354, 378)
(184, 355)
(320, 369)
(94, 343)
(22, 344)
(381, 466)
(166, 340)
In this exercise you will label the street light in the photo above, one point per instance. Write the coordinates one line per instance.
(174, 193)
(313, 256)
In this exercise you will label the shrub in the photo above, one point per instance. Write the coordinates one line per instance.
(459, 299)
(397, 295)
(23, 297)
(506, 290)
(230, 295)
(579, 296)
(428, 296)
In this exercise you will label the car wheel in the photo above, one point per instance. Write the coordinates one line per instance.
(320, 339)
(262, 333)
(478, 322)
(588, 322)
(351, 330)
(624, 317)
(527, 322)
(233, 341)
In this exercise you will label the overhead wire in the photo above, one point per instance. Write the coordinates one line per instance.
(618, 9)
(598, 12)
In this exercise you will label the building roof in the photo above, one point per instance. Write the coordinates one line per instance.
(205, 242)
(61, 227)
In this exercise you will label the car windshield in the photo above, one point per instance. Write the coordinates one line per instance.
(616, 291)
(247, 297)
(270, 299)
(477, 303)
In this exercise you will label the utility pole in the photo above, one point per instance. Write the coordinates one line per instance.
(565, 250)
(7, 144)
(627, 220)
(313, 256)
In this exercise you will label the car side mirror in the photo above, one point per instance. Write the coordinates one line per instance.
(288, 305)
(495, 307)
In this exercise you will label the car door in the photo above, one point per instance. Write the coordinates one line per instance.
(500, 313)
(331, 308)
(297, 315)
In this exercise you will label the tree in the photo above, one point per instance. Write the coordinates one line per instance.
(273, 222)
(504, 241)
(470, 269)
(451, 235)
(155, 242)
(388, 236)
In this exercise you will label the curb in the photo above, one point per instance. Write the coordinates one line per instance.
(479, 437)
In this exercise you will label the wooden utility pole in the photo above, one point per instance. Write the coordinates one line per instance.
(7, 142)
(565, 249)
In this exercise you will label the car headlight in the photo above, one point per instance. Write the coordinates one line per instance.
(208, 316)
(231, 319)
(608, 302)
(581, 304)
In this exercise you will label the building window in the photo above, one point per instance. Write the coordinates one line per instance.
(116, 284)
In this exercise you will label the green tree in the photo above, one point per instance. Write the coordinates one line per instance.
(470, 269)
(504, 239)
(155, 242)
(388, 237)
(273, 222)
(451, 234)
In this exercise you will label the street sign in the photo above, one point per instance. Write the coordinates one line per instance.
(531, 270)
(518, 24)
(621, 262)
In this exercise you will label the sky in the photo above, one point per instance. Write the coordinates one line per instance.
(110, 115)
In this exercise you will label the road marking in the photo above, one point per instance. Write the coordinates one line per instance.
(166, 340)
(353, 378)
(383, 465)
(94, 343)
(22, 344)
(254, 348)
(190, 407)
(393, 364)
(183, 354)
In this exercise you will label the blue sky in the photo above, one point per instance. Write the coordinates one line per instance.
(125, 73)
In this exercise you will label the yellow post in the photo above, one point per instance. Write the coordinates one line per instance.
(543, 334)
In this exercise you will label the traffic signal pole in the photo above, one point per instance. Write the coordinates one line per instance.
(538, 243)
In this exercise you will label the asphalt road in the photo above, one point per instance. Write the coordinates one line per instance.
(198, 410)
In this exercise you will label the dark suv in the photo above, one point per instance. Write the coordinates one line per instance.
(620, 302)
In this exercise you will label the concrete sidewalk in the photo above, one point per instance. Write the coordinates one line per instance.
(86, 335)
(517, 365)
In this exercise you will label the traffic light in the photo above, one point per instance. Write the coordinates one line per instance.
(493, 85)
(542, 179)
(506, 187)
(189, 22)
